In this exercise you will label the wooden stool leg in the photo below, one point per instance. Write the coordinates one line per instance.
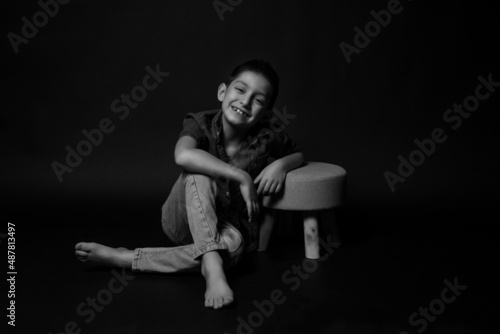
(266, 228)
(311, 234)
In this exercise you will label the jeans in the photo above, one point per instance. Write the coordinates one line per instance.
(191, 221)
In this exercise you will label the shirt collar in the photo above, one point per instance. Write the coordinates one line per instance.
(252, 137)
(217, 124)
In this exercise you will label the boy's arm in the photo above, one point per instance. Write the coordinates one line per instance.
(272, 178)
(195, 160)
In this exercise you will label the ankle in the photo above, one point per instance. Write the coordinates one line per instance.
(126, 258)
(211, 263)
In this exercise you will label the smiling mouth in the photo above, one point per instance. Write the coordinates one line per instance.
(240, 112)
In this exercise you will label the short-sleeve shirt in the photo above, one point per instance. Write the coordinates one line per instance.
(264, 142)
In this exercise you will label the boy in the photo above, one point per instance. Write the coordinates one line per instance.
(212, 211)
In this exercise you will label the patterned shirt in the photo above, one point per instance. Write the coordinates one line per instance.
(260, 147)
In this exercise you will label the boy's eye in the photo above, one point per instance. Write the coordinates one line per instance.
(239, 90)
(259, 102)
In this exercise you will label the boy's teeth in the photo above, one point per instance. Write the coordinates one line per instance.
(239, 111)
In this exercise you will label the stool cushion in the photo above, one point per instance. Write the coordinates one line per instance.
(313, 186)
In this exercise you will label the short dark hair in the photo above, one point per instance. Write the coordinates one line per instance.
(261, 67)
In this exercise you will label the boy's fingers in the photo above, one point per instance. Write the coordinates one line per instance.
(257, 179)
(267, 188)
(256, 208)
(249, 209)
(259, 188)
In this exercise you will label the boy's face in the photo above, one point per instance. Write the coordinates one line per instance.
(245, 100)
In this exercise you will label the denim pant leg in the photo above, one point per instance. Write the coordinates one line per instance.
(189, 219)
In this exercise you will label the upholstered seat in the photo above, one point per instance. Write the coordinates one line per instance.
(310, 188)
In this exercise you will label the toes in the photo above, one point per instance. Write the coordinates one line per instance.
(214, 303)
(218, 303)
(81, 253)
(83, 246)
(227, 301)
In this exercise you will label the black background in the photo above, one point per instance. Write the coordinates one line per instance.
(360, 115)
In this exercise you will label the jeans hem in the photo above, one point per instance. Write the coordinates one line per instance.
(208, 248)
(135, 261)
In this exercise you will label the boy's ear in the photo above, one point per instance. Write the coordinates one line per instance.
(221, 92)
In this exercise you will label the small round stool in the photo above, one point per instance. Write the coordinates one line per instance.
(311, 188)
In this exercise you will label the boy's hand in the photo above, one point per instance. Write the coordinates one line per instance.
(271, 179)
(249, 194)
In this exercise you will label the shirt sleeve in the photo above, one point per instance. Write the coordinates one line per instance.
(192, 128)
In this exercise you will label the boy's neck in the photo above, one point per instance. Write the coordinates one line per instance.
(232, 134)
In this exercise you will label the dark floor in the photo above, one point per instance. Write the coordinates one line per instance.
(391, 263)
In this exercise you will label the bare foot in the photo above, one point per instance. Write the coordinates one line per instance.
(100, 254)
(218, 293)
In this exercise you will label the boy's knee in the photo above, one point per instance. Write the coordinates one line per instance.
(201, 181)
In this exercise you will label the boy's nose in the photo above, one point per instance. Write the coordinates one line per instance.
(245, 101)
